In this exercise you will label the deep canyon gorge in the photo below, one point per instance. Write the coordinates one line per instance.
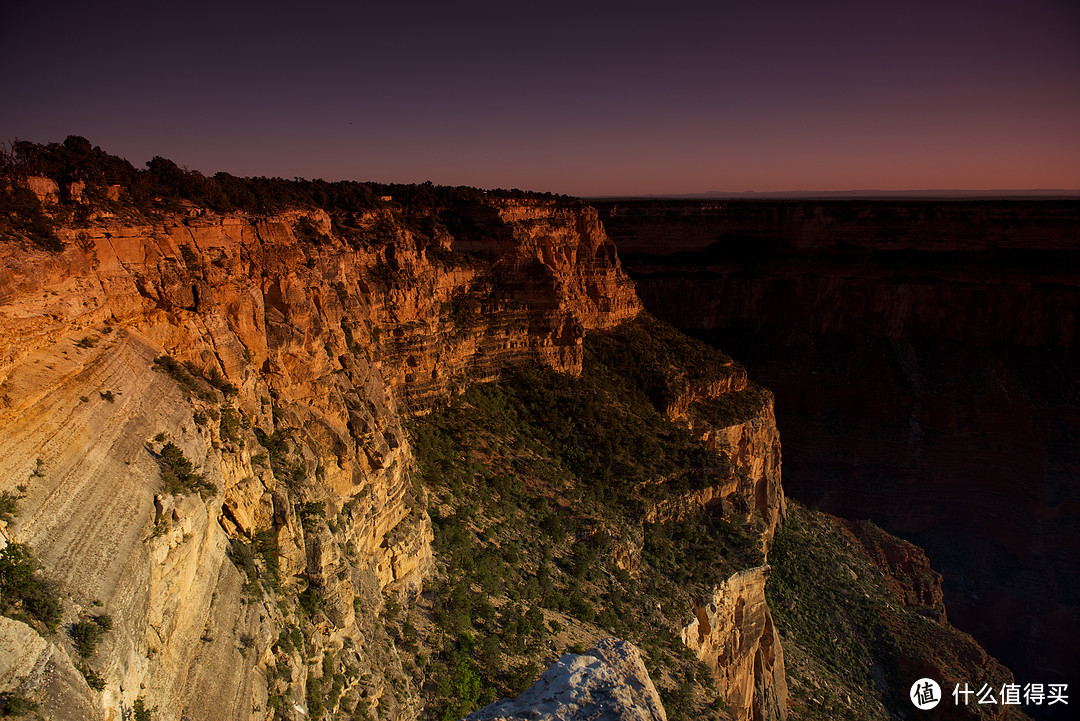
(298, 450)
(923, 356)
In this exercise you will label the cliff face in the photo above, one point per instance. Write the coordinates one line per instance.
(734, 635)
(526, 287)
(278, 357)
(311, 347)
(923, 360)
(754, 448)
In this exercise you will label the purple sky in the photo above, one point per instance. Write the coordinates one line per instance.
(579, 98)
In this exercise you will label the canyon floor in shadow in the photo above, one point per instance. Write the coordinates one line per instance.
(923, 356)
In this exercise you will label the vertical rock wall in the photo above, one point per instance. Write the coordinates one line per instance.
(733, 634)
(316, 345)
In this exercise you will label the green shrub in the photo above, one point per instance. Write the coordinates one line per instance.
(231, 422)
(9, 504)
(311, 601)
(140, 712)
(22, 586)
(86, 635)
(243, 557)
(178, 473)
(314, 699)
(265, 544)
(186, 375)
(218, 381)
(16, 703)
(93, 679)
(284, 642)
(175, 370)
(310, 513)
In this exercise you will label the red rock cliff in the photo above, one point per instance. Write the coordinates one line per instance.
(315, 345)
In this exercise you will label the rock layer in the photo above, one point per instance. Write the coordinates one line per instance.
(316, 347)
(733, 634)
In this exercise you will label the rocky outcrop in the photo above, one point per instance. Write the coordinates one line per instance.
(607, 683)
(905, 566)
(302, 351)
(733, 634)
(754, 449)
(753, 488)
(704, 391)
(33, 668)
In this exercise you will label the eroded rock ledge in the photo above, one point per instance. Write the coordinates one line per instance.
(734, 635)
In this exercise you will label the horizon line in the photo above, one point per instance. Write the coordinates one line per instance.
(867, 193)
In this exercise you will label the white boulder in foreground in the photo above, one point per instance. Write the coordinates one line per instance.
(606, 683)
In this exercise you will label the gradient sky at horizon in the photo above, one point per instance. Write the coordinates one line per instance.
(585, 99)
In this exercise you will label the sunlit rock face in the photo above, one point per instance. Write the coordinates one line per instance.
(734, 635)
(319, 346)
(923, 359)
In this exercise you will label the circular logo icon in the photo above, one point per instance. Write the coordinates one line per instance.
(925, 694)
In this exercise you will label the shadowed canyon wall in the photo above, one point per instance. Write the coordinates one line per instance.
(923, 355)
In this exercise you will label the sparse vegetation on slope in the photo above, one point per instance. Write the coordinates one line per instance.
(540, 489)
(853, 647)
(178, 474)
(24, 590)
(16, 703)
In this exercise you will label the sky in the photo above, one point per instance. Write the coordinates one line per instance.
(580, 98)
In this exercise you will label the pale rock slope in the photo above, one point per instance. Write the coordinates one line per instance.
(304, 356)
